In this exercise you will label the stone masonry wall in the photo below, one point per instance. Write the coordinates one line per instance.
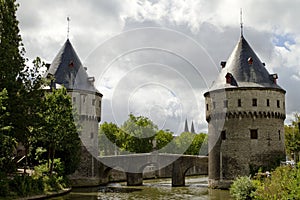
(231, 116)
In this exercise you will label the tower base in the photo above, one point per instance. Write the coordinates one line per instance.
(219, 184)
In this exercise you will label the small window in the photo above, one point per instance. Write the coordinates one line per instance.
(268, 102)
(239, 103)
(225, 103)
(74, 99)
(83, 97)
(207, 107)
(93, 102)
(214, 105)
(279, 135)
(254, 102)
(92, 135)
(278, 104)
(100, 104)
(253, 134)
(223, 135)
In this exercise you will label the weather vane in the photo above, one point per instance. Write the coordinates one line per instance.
(68, 19)
(241, 21)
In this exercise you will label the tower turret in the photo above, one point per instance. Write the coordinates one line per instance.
(67, 70)
(245, 111)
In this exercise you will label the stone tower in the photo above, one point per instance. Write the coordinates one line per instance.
(245, 111)
(68, 71)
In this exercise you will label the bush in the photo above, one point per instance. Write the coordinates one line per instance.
(24, 185)
(39, 183)
(242, 188)
(54, 182)
(4, 187)
(283, 184)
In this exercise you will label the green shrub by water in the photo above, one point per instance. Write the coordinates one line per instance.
(242, 188)
(22, 185)
(283, 184)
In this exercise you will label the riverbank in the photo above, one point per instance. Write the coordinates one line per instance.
(48, 195)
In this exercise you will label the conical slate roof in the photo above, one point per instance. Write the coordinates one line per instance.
(68, 70)
(244, 69)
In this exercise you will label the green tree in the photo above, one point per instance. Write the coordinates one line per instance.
(7, 142)
(23, 84)
(164, 141)
(190, 143)
(183, 142)
(109, 139)
(12, 63)
(28, 120)
(139, 133)
(292, 138)
(60, 131)
(198, 141)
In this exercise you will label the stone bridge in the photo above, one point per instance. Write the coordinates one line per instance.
(134, 164)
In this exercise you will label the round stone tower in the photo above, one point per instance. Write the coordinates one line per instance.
(68, 71)
(245, 111)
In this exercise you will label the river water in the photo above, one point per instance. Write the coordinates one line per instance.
(196, 188)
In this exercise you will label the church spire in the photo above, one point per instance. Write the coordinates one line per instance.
(192, 128)
(186, 128)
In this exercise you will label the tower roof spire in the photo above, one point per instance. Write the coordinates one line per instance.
(68, 31)
(241, 21)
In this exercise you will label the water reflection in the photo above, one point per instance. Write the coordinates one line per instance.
(196, 188)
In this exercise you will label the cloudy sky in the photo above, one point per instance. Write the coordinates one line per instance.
(157, 58)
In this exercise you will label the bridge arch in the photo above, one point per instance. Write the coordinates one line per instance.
(150, 172)
(183, 164)
(108, 173)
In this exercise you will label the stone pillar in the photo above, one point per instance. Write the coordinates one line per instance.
(134, 179)
(178, 178)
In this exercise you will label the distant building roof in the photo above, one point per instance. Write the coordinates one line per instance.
(68, 71)
(244, 69)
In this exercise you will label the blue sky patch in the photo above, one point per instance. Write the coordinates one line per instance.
(282, 40)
